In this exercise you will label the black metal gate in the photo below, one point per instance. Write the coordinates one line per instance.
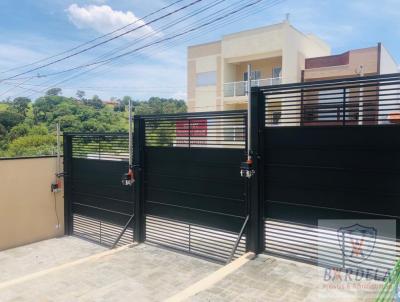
(194, 197)
(324, 165)
(321, 150)
(98, 206)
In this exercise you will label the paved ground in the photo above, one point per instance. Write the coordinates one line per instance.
(43, 255)
(273, 279)
(140, 273)
(49, 271)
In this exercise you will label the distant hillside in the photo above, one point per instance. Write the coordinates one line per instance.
(28, 129)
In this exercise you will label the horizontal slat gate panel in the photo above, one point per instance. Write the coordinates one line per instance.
(97, 191)
(200, 186)
(99, 231)
(100, 205)
(310, 215)
(223, 222)
(345, 182)
(203, 241)
(194, 195)
(314, 173)
(320, 246)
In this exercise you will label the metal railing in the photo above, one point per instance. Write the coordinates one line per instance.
(371, 100)
(239, 88)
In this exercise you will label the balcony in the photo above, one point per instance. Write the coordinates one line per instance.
(234, 89)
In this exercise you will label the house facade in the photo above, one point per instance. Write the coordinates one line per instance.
(217, 71)
(279, 54)
(358, 62)
(363, 104)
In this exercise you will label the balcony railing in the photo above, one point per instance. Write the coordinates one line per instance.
(240, 88)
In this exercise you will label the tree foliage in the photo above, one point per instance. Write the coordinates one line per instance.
(29, 128)
(21, 105)
(54, 92)
(10, 119)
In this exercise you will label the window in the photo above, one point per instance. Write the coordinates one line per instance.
(277, 72)
(206, 78)
(255, 74)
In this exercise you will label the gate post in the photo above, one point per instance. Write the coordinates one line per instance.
(139, 233)
(255, 188)
(67, 158)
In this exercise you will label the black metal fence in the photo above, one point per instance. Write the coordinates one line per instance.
(188, 193)
(368, 100)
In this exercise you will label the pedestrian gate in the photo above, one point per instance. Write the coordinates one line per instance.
(98, 206)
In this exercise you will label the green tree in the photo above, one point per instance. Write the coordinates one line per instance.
(19, 131)
(54, 92)
(3, 131)
(93, 125)
(32, 145)
(44, 108)
(29, 130)
(156, 105)
(21, 105)
(94, 102)
(10, 119)
(80, 94)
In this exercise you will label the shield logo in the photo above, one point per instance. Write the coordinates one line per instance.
(357, 242)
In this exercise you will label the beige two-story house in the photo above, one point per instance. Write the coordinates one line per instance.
(279, 53)
(217, 71)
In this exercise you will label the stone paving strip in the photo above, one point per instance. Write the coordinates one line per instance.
(211, 279)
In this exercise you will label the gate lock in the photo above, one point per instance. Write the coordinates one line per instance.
(246, 169)
(127, 178)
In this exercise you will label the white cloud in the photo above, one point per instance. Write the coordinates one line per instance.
(103, 19)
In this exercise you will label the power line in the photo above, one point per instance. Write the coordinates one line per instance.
(142, 38)
(165, 26)
(104, 42)
(273, 3)
(95, 39)
(15, 86)
(159, 41)
(168, 25)
(224, 23)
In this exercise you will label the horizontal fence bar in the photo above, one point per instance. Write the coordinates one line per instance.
(225, 129)
(372, 100)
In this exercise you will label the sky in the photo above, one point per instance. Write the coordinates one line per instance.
(31, 30)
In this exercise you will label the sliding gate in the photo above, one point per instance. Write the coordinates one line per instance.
(326, 167)
(98, 207)
(331, 168)
(194, 197)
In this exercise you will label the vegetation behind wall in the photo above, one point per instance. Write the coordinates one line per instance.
(28, 128)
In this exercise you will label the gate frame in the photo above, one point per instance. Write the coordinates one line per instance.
(139, 233)
(255, 188)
